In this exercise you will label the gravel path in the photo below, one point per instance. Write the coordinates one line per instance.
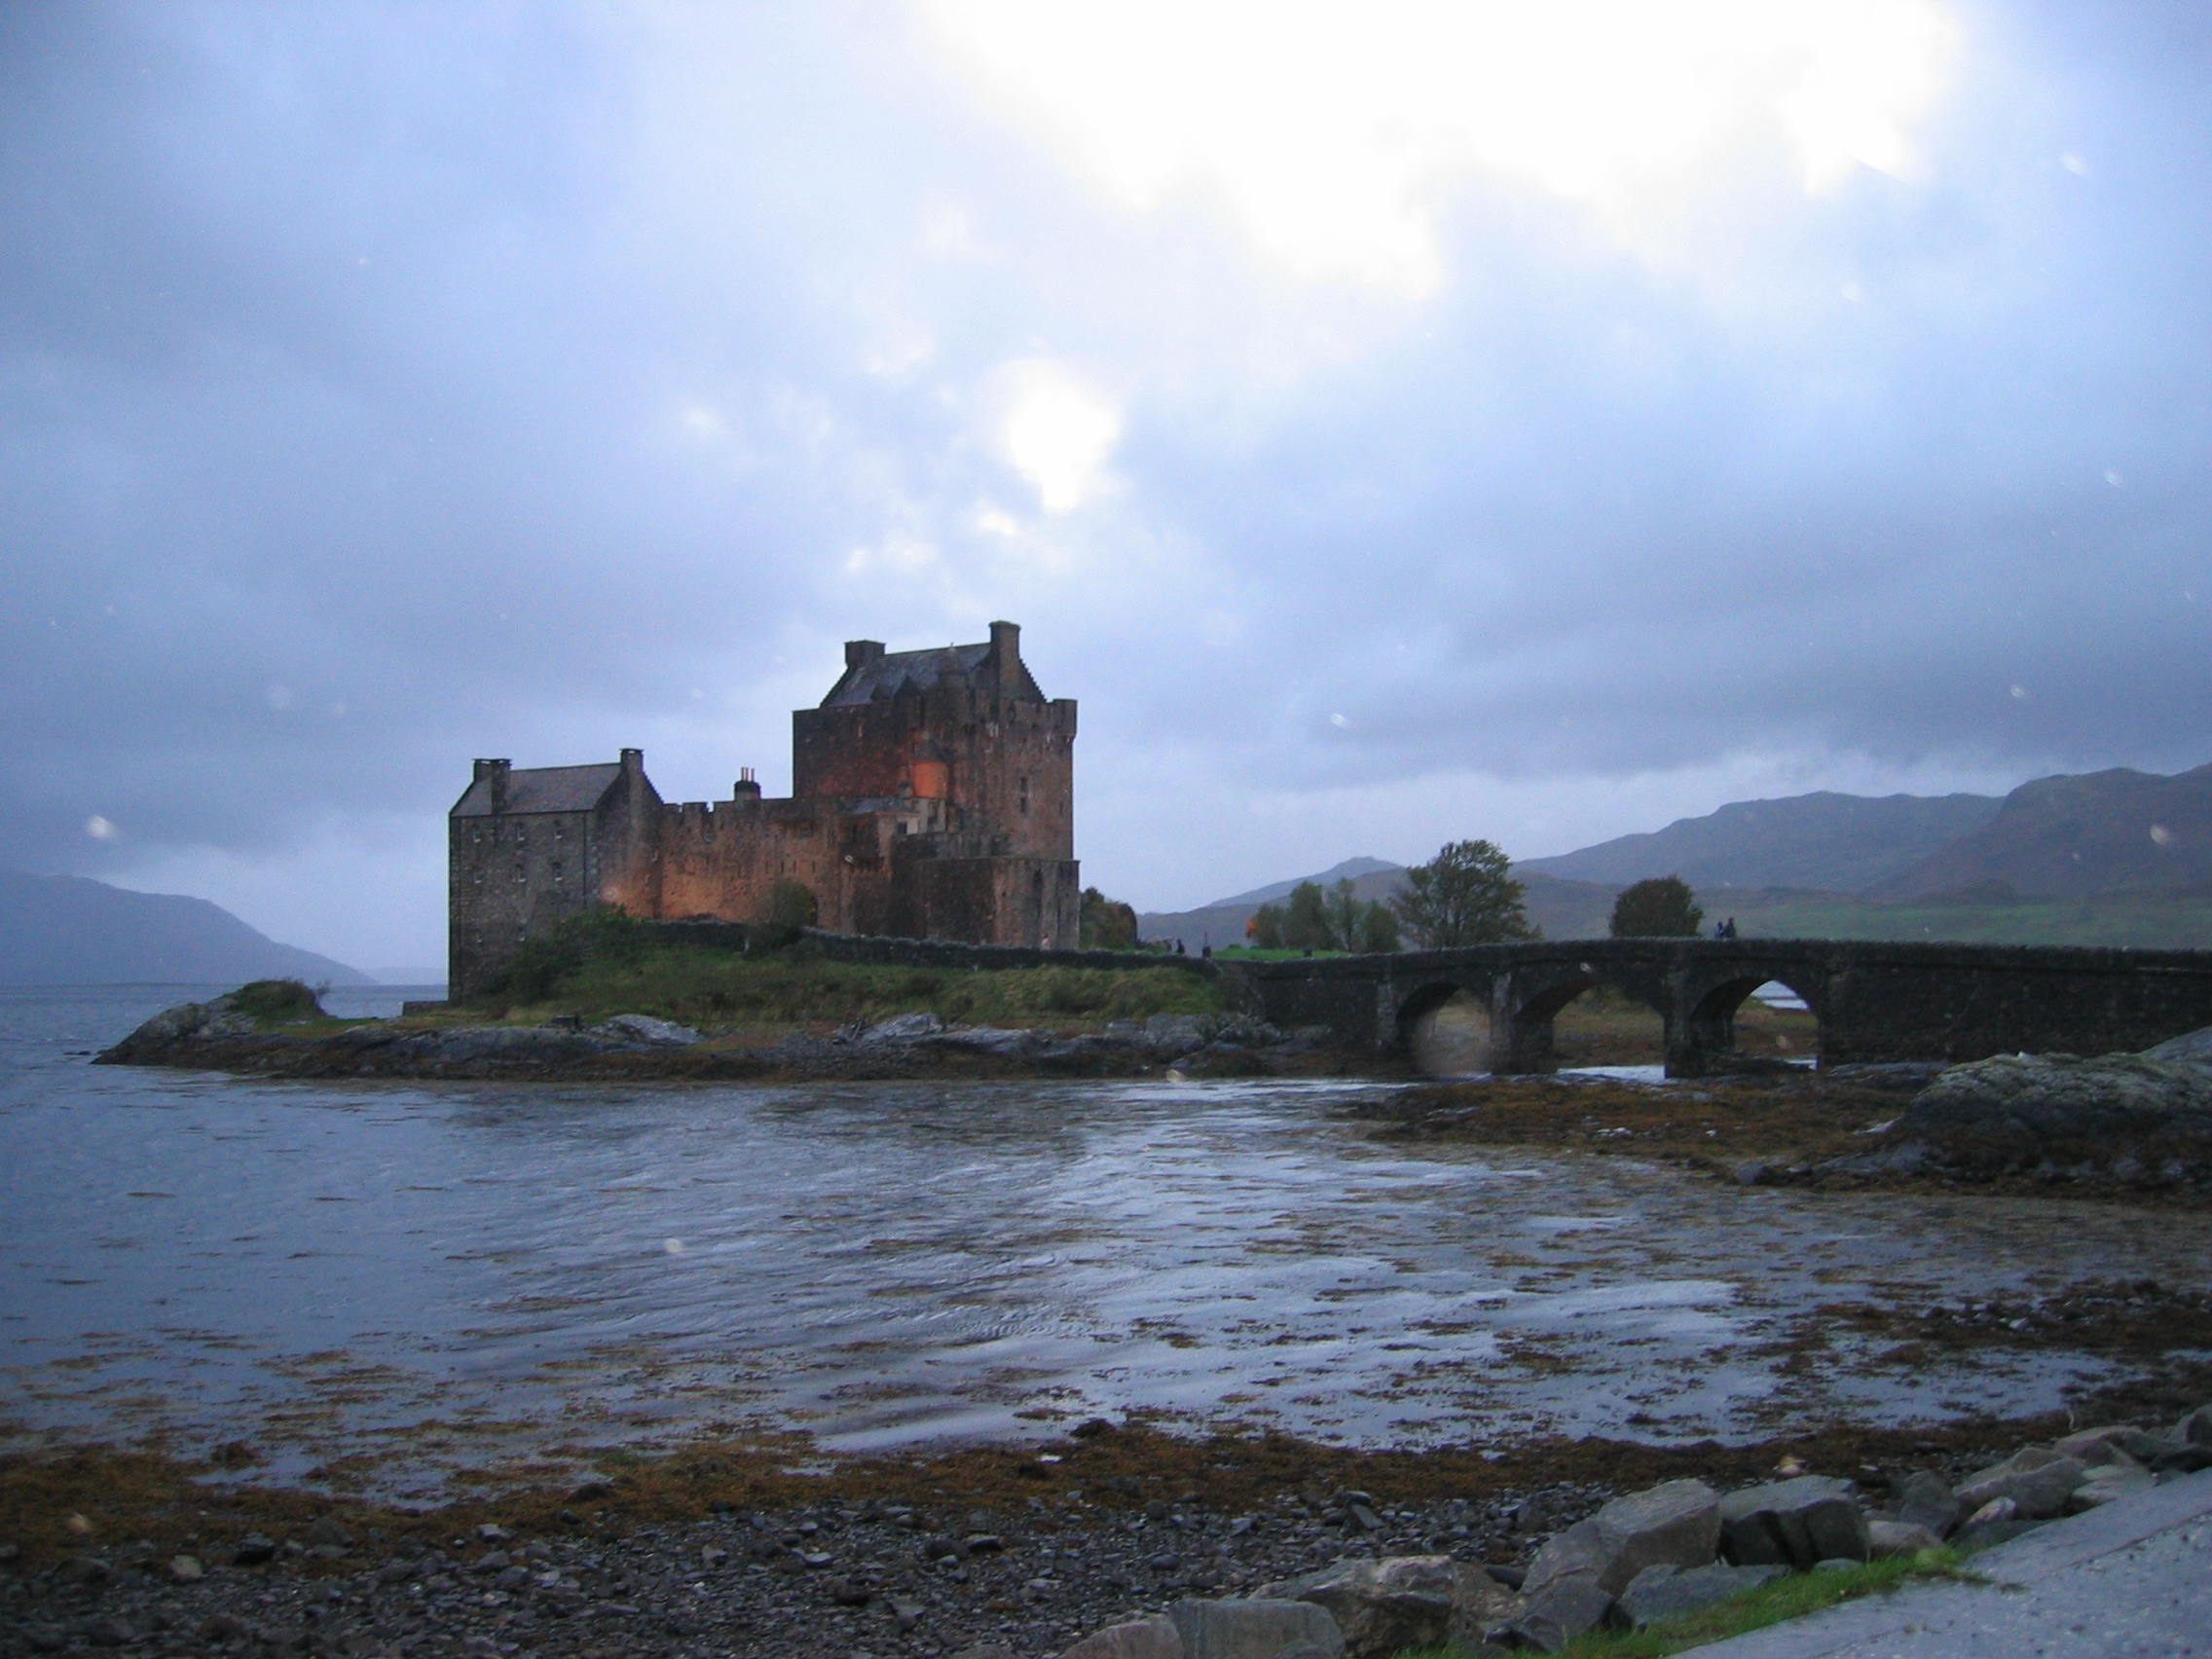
(838, 1579)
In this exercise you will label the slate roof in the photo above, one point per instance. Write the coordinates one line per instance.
(542, 788)
(895, 672)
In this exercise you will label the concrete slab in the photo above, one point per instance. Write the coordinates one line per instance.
(2135, 1578)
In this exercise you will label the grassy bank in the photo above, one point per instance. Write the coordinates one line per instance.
(603, 965)
(715, 988)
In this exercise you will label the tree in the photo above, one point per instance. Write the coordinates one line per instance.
(1379, 931)
(1465, 895)
(1106, 923)
(1265, 929)
(1346, 910)
(1661, 907)
(1305, 919)
(1359, 924)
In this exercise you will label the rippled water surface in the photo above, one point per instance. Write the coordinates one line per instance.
(463, 1272)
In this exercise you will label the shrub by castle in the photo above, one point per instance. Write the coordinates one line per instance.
(932, 797)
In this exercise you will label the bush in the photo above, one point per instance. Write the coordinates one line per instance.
(276, 999)
(1106, 923)
(791, 906)
(542, 966)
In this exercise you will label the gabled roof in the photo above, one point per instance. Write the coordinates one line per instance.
(901, 671)
(542, 788)
(893, 672)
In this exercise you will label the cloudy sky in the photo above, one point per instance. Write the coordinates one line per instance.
(1394, 422)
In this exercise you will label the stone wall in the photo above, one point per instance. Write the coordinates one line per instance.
(887, 953)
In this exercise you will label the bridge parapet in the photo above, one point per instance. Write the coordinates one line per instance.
(1875, 1000)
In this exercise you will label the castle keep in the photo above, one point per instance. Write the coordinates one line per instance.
(932, 797)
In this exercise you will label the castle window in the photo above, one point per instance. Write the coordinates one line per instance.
(522, 873)
(1022, 791)
(557, 869)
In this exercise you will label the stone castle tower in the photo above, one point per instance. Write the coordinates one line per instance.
(933, 796)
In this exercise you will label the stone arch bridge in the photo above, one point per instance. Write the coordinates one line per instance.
(1874, 1000)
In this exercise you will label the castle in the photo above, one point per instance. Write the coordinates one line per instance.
(933, 796)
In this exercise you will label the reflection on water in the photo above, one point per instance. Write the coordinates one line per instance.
(475, 1271)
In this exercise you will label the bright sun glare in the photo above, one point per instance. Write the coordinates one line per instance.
(1327, 129)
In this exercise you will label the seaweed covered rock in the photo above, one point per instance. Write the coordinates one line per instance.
(2128, 1117)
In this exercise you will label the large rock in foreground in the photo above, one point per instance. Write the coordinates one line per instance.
(2128, 1117)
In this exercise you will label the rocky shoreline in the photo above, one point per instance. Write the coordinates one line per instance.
(1099, 1571)
(2126, 1125)
(216, 1036)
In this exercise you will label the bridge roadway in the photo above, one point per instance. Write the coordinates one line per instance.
(1874, 1000)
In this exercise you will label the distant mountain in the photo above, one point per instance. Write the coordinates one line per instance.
(1855, 867)
(64, 930)
(1349, 870)
(1827, 842)
(2068, 838)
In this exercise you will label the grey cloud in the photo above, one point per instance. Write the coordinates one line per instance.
(347, 350)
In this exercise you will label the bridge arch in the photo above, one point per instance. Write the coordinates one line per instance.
(1707, 1035)
(1873, 1000)
(1427, 1030)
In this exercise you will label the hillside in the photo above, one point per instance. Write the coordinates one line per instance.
(64, 930)
(1222, 922)
(1830, 842)
(1564, 909)
(2070, 837)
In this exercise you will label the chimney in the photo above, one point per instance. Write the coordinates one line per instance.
(747, 788)
(496, 771)
(1006, 642)
(634, 763)
(859, 654)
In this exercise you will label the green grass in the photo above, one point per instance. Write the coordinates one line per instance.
(1253, 953)
(1789, 1598)
(720, 988)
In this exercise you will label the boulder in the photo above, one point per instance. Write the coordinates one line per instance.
(1925, 1499)
(902, 1028)
(983, 1040)
(2037, 1478)
(1665, 1592)
(1566, 1608)
(1383, 1606)
(1171, 1034)
(1885, 1538)
(645, 1028)
(1793, 1523)
(2191, 1049)
(186, 1022)
(2108, 1484)
(2121, 1116)
(2194, 1429)
(1154, 1638)
(1254, 1628)
(1678, 1522)
(2094, 1448)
